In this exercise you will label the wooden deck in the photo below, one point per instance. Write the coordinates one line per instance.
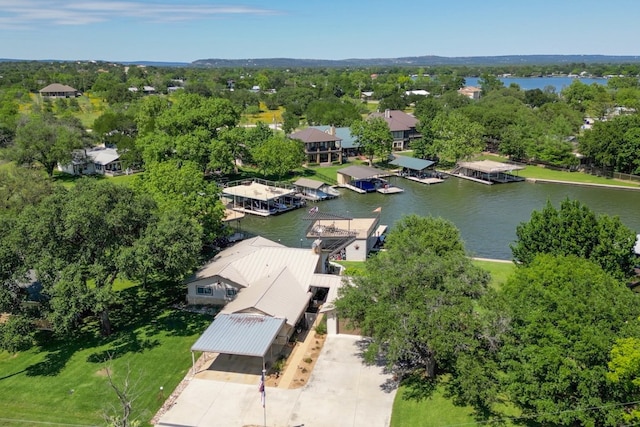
(390, 190)
(427, 181)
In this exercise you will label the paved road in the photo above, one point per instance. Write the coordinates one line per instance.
(342, 391)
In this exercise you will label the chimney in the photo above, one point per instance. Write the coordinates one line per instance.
(316, 247)
(332, 130)
(387, 114)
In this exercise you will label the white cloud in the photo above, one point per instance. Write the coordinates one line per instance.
(23, 14)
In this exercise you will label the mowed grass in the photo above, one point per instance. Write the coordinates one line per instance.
(431, 412)
(64, 381)
(540, 172)
(500, 271)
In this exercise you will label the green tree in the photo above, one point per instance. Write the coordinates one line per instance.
(45, 140)
(576, 230)
(456, 137)
(279, 155)
(168, 249)
(624, 373)
(180, 187)
(373, 137)
(566, 314)
(417, 300)
(73, 239)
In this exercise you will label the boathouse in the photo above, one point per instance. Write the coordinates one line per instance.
(259, 197)
(418, 170)
(311, 189)
(344, 237)
(488, 171)
(365, 179)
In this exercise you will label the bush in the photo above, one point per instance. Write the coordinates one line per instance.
(307, 360)
(16, 334)
(321, 328)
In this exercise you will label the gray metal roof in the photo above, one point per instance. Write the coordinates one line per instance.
(344, 133)
(240, 334)
(309, 183)
(362, 172)
(412, 163)
(278, 295)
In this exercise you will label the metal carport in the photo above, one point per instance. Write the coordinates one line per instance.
(239, 334)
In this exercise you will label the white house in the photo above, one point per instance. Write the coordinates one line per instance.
(96, 160)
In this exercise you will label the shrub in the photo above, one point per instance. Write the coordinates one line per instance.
(16, 334)
(307, 360)
(321, 328)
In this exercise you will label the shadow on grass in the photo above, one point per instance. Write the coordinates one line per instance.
(125, 342)
(58, 353)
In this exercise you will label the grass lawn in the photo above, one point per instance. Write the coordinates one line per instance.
(539, 172)
(63, 381)
(500, 271)
(434, 411)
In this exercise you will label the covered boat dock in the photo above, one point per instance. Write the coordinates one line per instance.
(417, 170)
(487, 172)
(365, 179)
(261, 198)
(311, 189)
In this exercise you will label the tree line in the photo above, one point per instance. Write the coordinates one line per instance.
(558, 341)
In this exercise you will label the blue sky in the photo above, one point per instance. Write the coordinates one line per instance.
(187, 30)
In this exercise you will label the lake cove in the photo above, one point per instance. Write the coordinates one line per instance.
(487, 215)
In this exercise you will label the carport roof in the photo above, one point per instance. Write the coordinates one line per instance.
(239, 334)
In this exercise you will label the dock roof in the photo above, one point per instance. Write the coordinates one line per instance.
(257, 191)
(362, 172)
(490, 166)
(412, 163)
(309, 183)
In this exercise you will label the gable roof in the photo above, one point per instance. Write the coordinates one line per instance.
(313, 135)
(397, 120)
(279, 295)
(249, 261)
(57, 87)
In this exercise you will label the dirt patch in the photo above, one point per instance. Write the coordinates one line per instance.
(102, 372)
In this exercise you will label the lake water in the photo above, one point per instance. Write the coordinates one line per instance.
(486, 215)
(529, 83)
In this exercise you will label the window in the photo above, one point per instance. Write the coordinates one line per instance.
(231, 292)
(204, 290)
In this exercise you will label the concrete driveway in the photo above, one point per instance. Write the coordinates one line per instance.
(341, 391)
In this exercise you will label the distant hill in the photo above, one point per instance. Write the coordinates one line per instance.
(417, 61)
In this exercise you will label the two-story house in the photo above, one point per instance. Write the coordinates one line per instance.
(319, 147)
(402, 126)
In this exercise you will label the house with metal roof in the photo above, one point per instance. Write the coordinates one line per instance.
(91, 161)
(57, 90)
(402, 126)
(320, 147)
(265, 289)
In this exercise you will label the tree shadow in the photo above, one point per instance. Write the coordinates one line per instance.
(125, 342)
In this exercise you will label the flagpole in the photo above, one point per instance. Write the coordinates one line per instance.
(264, 398)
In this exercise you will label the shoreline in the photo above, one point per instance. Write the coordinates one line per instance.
(582, 184)
(503, 261)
